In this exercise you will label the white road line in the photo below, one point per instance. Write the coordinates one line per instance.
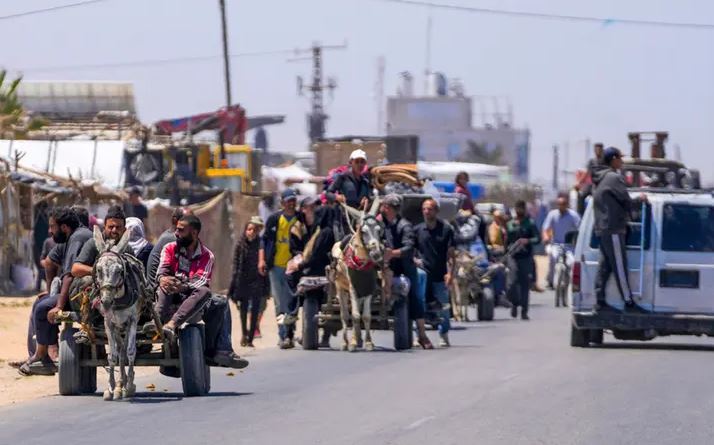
(419, 423)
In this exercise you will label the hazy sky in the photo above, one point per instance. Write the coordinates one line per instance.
(566, 81)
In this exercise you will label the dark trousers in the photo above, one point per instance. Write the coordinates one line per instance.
(519, 282)
(252, 303)
(613, 261)
(190, 303)
(217, 318)
(45, 331)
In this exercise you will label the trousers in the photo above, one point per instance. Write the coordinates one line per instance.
(613, 260)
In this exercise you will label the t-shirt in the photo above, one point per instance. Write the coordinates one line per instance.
(433, 247)
(89, 253)
(155, 255)
(47, 245)
(561, 224)
(282, 241)
(73, 247)
(136, 210)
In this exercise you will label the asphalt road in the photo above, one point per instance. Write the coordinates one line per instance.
(502, 382)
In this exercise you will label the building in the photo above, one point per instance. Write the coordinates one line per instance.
(444, 125)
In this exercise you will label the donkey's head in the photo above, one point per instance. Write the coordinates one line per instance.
(370, 231)
(109, 269)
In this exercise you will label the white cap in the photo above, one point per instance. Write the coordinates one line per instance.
(358, 154)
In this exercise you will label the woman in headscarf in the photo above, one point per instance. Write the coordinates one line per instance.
(137, 240)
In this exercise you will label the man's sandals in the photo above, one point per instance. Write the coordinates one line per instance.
(27, 368)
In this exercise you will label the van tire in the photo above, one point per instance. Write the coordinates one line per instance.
(597, 336)
(579, 338)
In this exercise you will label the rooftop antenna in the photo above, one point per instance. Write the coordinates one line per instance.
(427, 61)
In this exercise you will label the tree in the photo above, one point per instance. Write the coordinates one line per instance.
(14, 122)
(478, 153)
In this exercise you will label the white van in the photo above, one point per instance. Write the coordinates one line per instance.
(676, 284)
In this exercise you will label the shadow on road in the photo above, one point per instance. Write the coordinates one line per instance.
(657, 346)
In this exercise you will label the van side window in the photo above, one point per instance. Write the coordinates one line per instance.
(634, 228)
(687, 228)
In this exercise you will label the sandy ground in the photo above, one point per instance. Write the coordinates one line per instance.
(14, 314)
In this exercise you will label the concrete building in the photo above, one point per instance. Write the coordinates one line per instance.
(444, 125)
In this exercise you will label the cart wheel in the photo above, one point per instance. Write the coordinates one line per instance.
(69, 371)
(579, 338)
(486, 305)
(87, 374)
(194, 372)
(401, 325)
(310, 308)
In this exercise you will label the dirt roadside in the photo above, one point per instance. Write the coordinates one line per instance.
(14, 315)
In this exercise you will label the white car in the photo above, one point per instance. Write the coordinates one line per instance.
(670, 270)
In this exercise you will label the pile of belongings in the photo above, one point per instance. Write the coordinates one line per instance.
(396, 178)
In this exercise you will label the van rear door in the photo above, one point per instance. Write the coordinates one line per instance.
(685, 262)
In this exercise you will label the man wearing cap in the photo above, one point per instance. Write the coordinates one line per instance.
(399, 235)
(273, 259)
(353, 187)
(612, 204)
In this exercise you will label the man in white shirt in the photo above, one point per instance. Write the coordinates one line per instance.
(557, 224)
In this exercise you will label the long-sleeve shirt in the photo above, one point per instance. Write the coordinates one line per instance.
(246, 281)
(198, 269)
(524, 228)
(612, 202)
(400, 235)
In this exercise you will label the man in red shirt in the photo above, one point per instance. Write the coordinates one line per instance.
(184, 276)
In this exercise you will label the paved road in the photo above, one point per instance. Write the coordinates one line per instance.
(504, 382)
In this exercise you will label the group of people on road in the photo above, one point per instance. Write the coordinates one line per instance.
(179, 265)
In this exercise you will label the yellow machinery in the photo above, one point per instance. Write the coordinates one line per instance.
(233, 172)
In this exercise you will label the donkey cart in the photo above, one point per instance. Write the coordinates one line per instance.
(184, 359)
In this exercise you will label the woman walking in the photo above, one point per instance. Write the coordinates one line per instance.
(248, 287)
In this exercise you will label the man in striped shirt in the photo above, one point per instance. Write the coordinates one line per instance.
(184, 276)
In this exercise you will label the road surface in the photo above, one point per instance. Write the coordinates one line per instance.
(504, 382)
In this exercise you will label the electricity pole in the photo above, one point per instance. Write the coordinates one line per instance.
(226, 57)
(317, 117)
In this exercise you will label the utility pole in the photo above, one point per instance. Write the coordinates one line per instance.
(555, 168)
(427, 58)
(226, 57)
(379, 95)
(317, 117)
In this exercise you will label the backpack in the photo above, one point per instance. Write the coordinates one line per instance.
(332, 175)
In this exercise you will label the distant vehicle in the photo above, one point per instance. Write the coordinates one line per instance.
(487, 208)
(670, 252)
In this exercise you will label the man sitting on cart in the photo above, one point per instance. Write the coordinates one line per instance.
(184, 276)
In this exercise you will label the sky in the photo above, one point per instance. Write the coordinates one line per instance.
(567, 81)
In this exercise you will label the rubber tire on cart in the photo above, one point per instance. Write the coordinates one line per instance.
(87, 374)
(401, 325)
(597, 336)
(310, 331)
(579, 338)
(486, 305)
(195, 374)
(70, 382)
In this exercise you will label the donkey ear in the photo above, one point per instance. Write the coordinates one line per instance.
(99, 239)
(121, 245)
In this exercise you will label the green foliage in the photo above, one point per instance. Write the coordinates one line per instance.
(478, 153)
(13, 120)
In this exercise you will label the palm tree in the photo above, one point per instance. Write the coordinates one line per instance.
(14, 122)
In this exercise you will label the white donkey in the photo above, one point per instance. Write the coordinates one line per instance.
(356, 266)
(121, 307)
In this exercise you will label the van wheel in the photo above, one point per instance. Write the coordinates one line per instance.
(597, 336)
(579, 338)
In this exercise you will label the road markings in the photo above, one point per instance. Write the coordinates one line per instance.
(419, 422)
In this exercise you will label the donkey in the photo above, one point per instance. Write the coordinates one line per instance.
(356, 264)
(465, 285)
(121, 298)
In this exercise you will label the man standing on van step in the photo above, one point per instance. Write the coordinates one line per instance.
(612, 206)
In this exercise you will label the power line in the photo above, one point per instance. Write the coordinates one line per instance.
(547, 16)
(152, 62)
(51, 9)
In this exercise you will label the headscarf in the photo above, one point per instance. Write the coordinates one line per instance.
(137, 239)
